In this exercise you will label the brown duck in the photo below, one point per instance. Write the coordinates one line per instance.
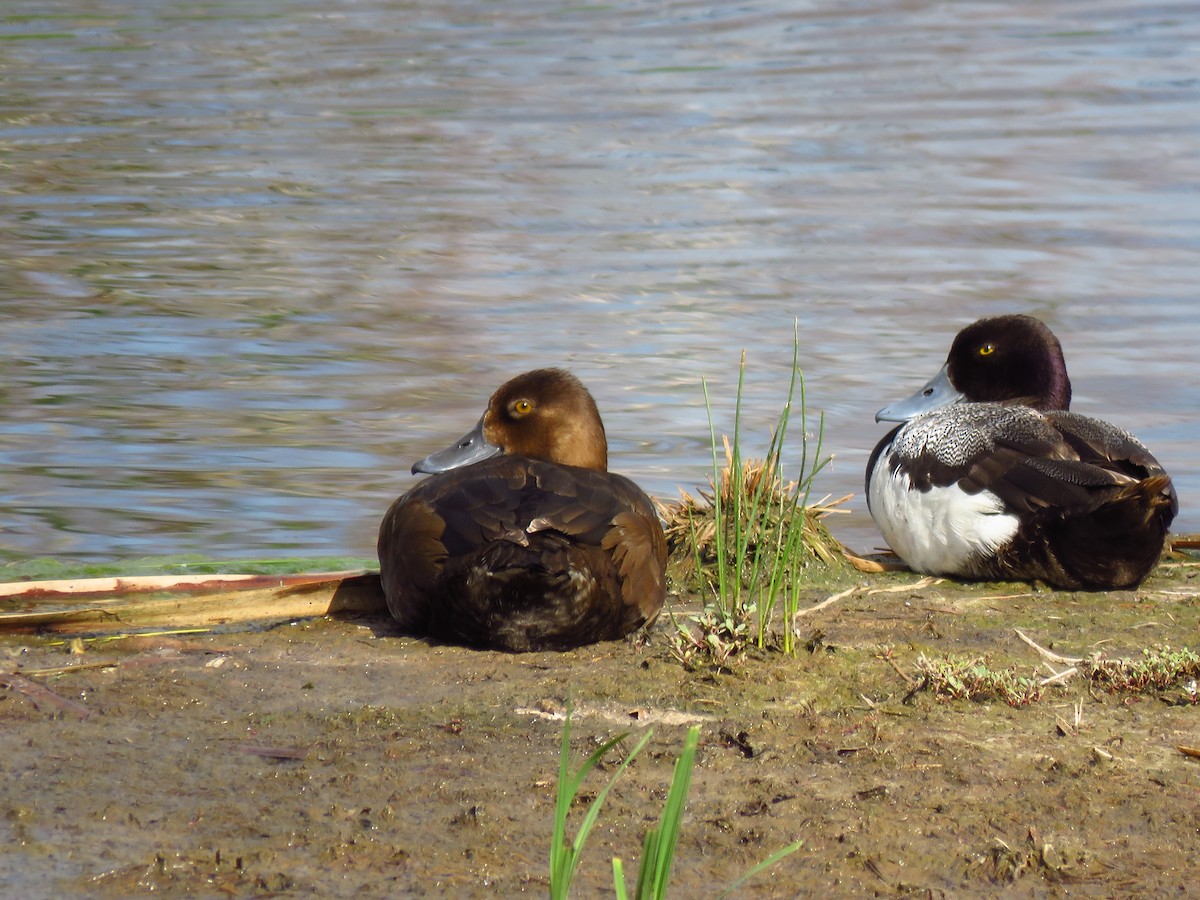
(522, 539)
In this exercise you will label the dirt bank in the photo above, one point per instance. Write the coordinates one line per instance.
(334, 758)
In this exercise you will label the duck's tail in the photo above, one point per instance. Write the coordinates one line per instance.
(1117, 545)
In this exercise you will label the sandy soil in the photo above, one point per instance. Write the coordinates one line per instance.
(334, 758)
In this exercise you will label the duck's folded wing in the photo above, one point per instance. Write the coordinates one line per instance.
(610, 512)
(1078, 465)
(1100, 443)
(450, 515)
(479, 508)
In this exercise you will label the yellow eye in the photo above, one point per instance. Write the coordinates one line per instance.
(521, 408)
(987, 350)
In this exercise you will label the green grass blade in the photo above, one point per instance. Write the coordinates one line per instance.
(672, 817)
(646, 869)
(658, 850)
(718, 504)
(619, 879)
(762, 866)
(736, 494)
(589, 820)
(564, 858)
(561, 856)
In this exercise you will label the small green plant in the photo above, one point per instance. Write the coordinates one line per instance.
(715, 639)
(957, 678)
(1159, 669)
(753, 535)
(658, 847)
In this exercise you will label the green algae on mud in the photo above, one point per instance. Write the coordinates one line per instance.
(406, 767)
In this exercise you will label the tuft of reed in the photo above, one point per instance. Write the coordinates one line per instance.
(658, 847)
(564, 857)
(749, 540)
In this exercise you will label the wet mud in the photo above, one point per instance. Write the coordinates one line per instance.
(335, 758)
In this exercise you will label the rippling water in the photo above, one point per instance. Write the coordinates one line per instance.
(256, 257)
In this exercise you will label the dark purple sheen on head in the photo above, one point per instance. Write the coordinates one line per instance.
(1007, 359)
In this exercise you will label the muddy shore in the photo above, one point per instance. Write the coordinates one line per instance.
(332, 757)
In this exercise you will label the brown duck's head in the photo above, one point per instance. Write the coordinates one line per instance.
(545, 414)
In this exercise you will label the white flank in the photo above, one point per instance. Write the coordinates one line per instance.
(939, 531)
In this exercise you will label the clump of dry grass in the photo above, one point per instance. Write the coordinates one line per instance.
(767, 505)
(748, 541)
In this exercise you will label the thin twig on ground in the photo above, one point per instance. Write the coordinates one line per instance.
(897, 588)
(1048, 654)
(826, 602)
(887, 658)
(1060, 677)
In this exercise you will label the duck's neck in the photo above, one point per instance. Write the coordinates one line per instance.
(584, 446)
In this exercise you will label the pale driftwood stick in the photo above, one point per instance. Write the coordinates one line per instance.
(824, 603)
(1048, 654)
(132, 583)
(899, 588)
(211, 602)
(109, 585)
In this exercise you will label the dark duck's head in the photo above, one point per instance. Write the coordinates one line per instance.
(1014, 360)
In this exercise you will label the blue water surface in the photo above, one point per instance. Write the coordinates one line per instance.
(256, 257)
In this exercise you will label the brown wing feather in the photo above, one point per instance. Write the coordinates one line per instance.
(412, 557)
(436, 540)
(639, 549)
